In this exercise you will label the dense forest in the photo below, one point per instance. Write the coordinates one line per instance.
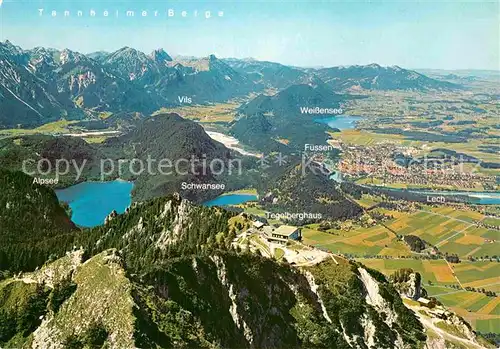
(34, 227)
(159, 153)
(305, 187)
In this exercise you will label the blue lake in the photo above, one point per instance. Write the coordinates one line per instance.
(340, 122)
(231, 199)
(91, 202)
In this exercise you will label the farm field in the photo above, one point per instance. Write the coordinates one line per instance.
(453, 212)
(402, 185)
(368, 200)
(482, 274)
(473, 241)
(482, 312)
(430, 227)
(359, 137)
(435, 271)
(61, 126)
(492, 221)
(220, 112)
(359, 241)
(452, 230)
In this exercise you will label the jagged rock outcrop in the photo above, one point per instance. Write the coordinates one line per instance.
(408, 283)
(102, 297)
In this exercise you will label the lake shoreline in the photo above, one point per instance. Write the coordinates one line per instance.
(92, 201)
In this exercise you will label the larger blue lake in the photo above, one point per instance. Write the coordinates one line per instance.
(91, 202)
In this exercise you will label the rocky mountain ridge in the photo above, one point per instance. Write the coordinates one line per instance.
(42, 85)
(340, 78)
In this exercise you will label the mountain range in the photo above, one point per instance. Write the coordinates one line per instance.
(42, 84)
(342, 78)
(375, 77)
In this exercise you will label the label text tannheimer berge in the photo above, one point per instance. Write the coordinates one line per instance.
(131, 13)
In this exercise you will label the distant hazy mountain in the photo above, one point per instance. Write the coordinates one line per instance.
(133, 65)
(98, 55)
(310, 91)
(268, 73)
(160, 56)
(371, 76)
(375, 77)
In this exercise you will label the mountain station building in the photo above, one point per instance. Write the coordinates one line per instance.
(284, 233)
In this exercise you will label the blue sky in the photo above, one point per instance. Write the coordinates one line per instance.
(430, 34)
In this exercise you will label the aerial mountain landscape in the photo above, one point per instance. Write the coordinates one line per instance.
(190, 276)
(249, 175)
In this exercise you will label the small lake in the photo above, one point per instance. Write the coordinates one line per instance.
(91, 202)
(231, 199)
(340, 122)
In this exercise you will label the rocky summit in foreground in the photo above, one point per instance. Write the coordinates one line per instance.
(223, 300)
(219, 301)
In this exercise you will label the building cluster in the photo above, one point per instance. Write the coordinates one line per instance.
(379, 163)
(280, 235)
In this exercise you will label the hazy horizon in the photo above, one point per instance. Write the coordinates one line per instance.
(444, 36)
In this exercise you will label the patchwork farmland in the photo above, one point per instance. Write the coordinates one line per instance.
(482, 311)
(453, 231)
(357, 241)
